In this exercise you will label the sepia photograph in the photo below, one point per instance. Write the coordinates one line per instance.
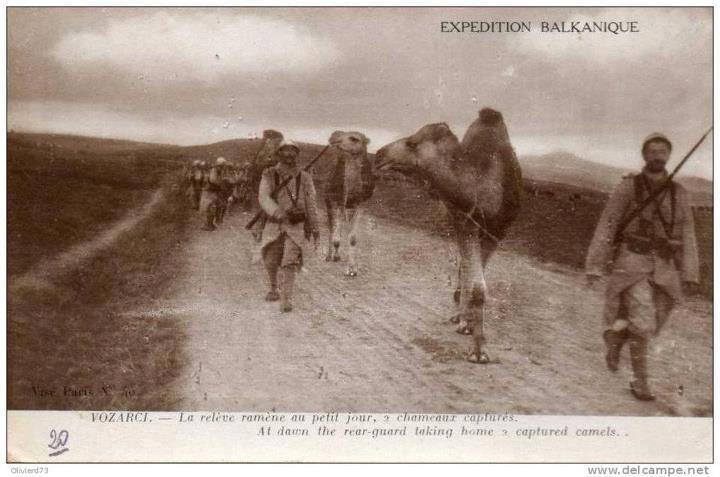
(429, 224)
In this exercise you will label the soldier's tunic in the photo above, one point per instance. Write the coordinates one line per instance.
(240, 189)
(196, 182)
(215, 187)
(291, 237)
(644, 285)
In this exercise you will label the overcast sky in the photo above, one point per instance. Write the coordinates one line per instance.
(194, 76)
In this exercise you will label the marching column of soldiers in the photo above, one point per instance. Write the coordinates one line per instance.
(644, 241)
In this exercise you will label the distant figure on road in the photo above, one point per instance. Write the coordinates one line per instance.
(654, 258)
(239, 195)
(216, 190)
(195, 178)
(292, 220)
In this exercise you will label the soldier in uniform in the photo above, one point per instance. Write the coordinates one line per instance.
(650, 263)
(240, 194)
(214, 194)
(292, 220)
(195, 177)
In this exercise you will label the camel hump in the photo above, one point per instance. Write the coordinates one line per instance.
(490, 117)
(272, 134)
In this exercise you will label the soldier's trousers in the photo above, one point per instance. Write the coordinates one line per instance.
(647, 307)
(281, 252)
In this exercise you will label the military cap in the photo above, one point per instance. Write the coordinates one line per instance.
(288, 144)
(656, 137)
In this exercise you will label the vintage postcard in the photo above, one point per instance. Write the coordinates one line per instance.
(360, 234)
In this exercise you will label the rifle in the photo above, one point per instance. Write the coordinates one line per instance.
(280, 186)
(651, 197)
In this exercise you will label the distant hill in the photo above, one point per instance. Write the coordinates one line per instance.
(81, 143)
(556, 167)
(567, 168)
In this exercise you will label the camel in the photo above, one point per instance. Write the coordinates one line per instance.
(480, 182)
(351, 182)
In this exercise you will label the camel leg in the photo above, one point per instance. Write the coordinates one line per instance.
(477, 303)
(464, 289)
(335, 222)
(352, 269)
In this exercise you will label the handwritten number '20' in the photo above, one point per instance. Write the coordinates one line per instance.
(58, 442)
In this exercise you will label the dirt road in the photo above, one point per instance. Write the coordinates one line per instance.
(382, 341)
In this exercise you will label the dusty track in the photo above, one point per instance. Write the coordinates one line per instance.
(381, 342)
(42, 274)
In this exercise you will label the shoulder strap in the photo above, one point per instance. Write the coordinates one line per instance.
(638, 183)
(673, 204)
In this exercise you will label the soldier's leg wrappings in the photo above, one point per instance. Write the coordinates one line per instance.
(272, 257)
(638, 358)
(287, 285)
(614, 340)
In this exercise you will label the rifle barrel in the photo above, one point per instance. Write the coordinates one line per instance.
(623, 225)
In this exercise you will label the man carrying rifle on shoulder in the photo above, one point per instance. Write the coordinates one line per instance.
(287, 197)
(646, 241)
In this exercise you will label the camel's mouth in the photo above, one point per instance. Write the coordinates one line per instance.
(381, 164)
(384, 164)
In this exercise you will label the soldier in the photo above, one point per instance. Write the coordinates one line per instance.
(240, 194)
(226, 183)
(650, 262)
(195, 177)
(214, 194)
(292, 220)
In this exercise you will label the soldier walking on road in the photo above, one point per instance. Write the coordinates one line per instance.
(215, 194)
(292, 220)
(195, 178)
(649, 263)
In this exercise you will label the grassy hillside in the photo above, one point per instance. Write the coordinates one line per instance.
(63, 190)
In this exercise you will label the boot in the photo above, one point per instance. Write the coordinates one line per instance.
(286, 288)
(614, 340)
(638, 358)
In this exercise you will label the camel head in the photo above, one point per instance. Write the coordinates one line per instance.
(352, 142)
(432, 143)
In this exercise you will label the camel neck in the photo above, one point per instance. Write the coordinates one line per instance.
(445, 182)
